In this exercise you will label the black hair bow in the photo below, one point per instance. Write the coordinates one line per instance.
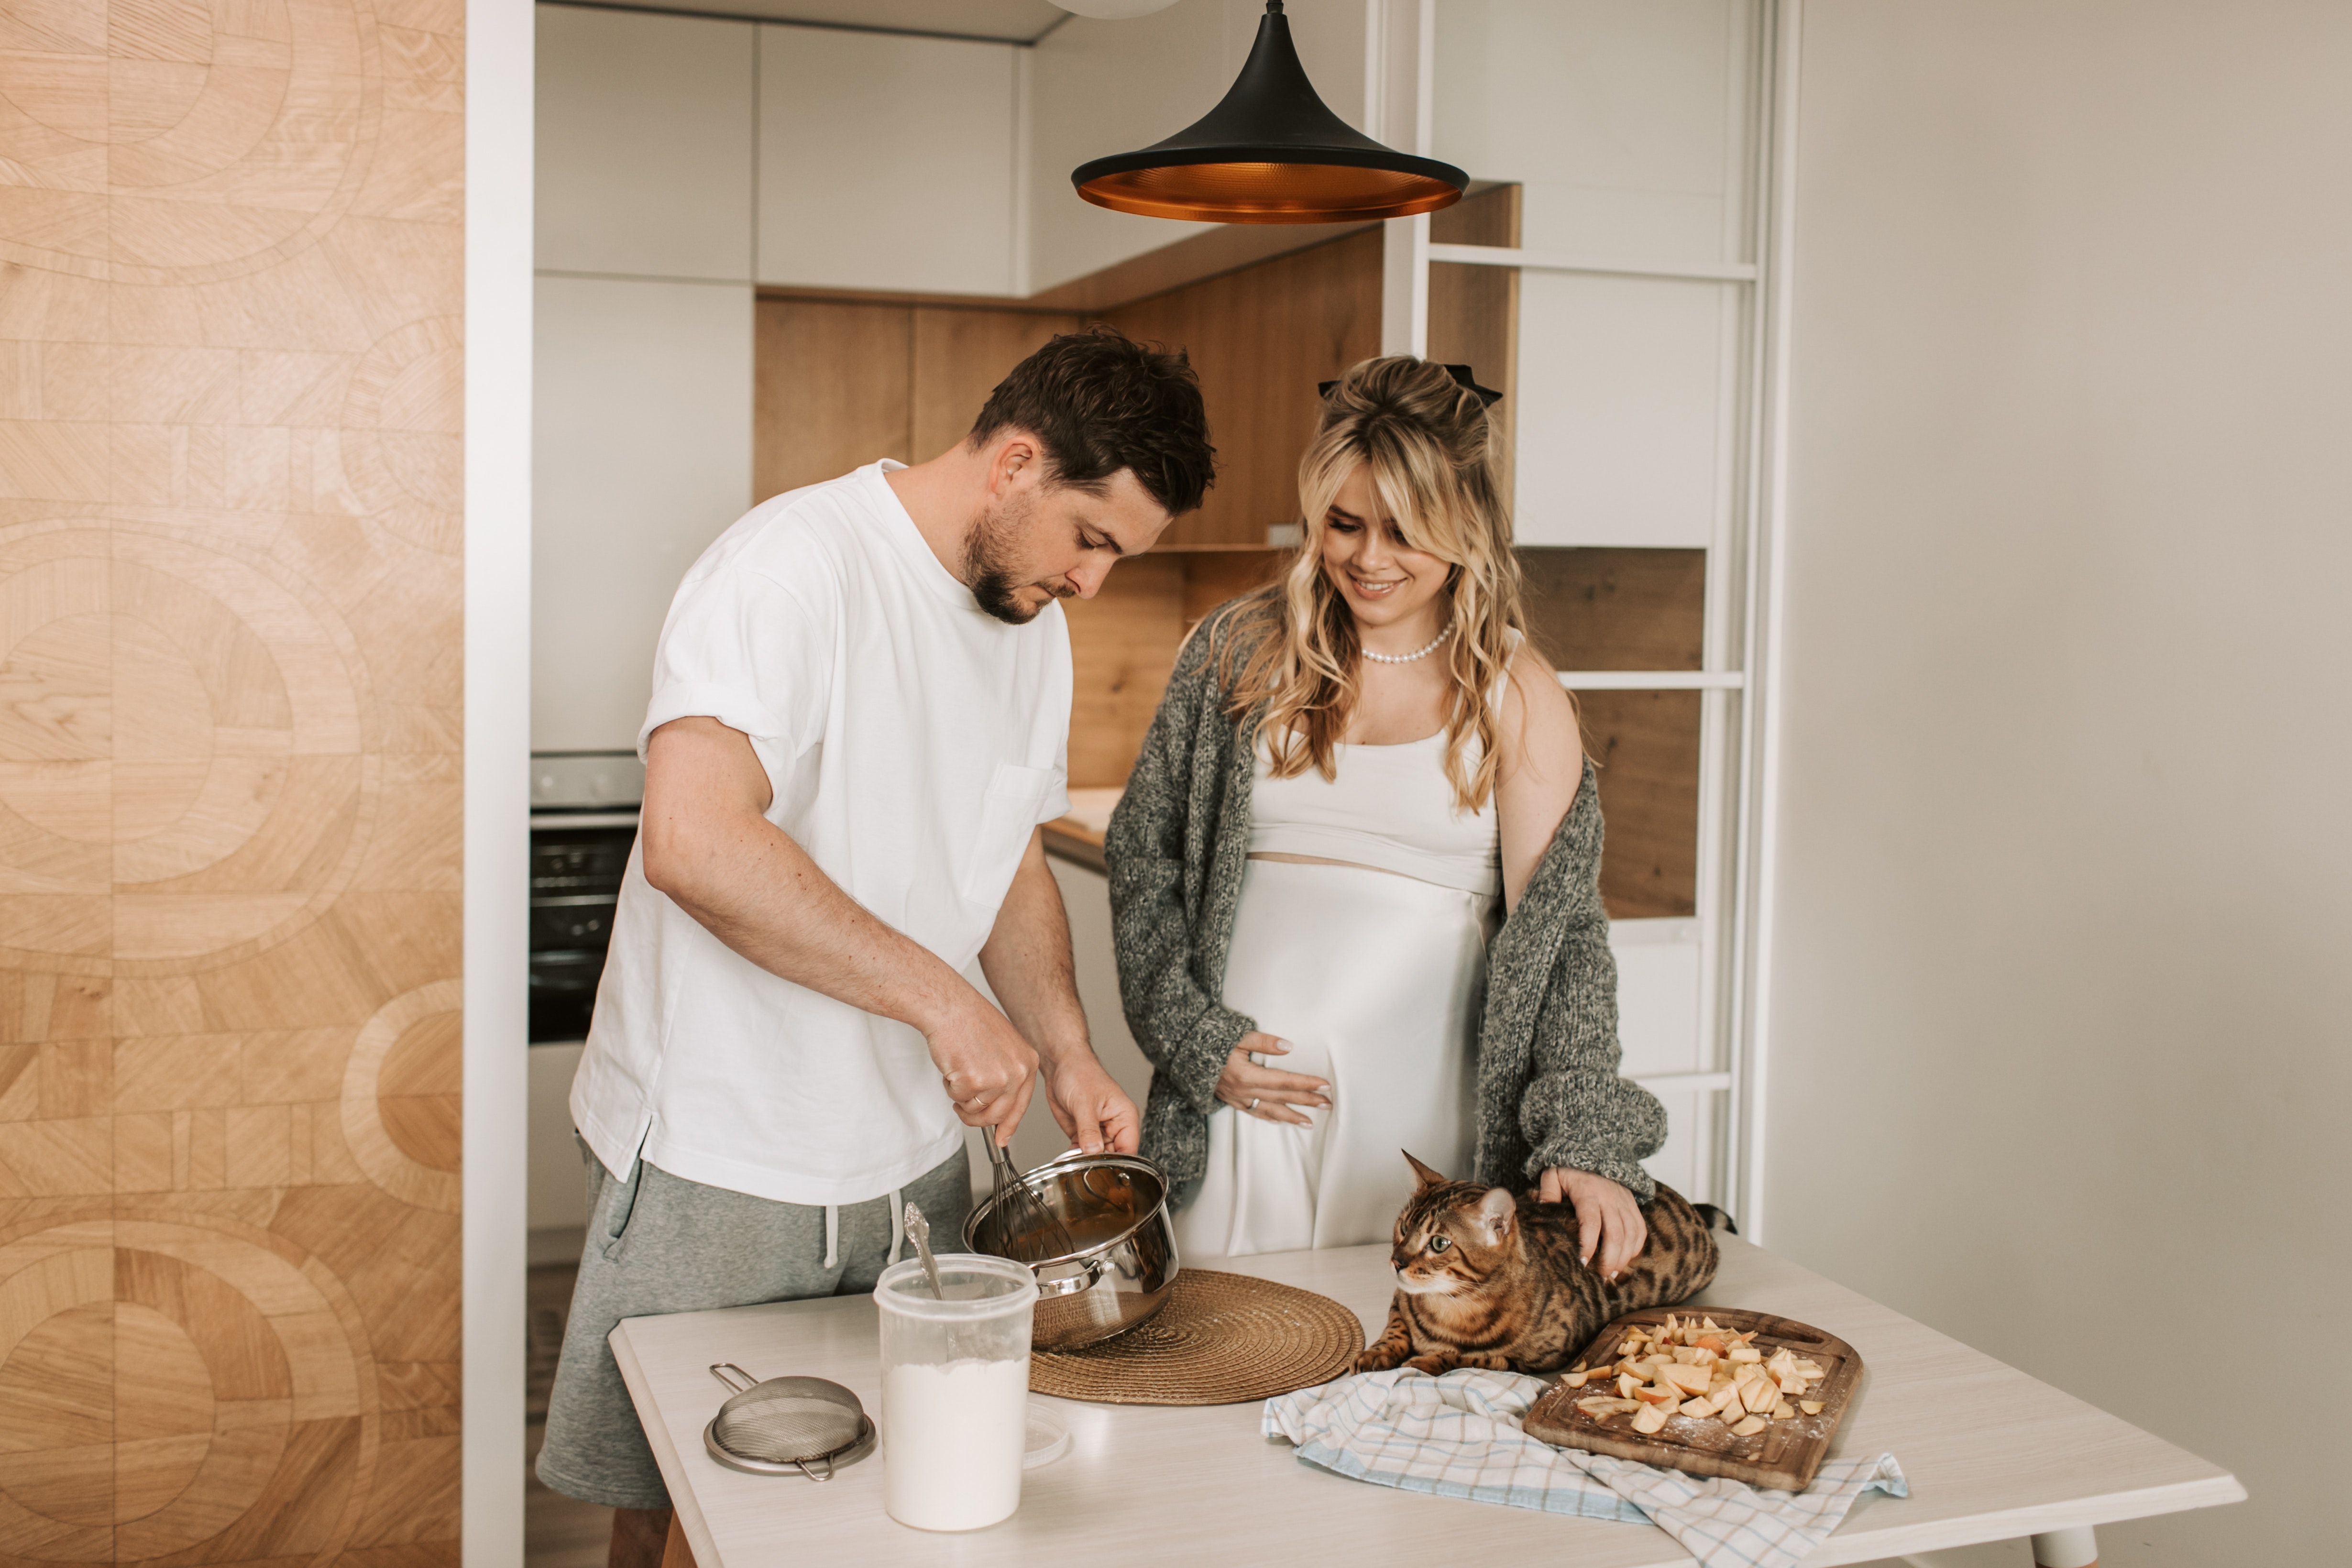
(1488, 396)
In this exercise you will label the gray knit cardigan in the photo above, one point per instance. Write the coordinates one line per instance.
(1549, 1093)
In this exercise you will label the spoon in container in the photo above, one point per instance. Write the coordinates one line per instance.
(918, 1231)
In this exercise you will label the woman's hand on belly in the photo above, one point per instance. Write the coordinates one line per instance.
(1608, 1220)
(1267, 1093)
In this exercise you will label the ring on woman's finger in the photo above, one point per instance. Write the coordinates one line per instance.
(1253, 1105)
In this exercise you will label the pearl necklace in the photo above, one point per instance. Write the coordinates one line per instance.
(1409, 658)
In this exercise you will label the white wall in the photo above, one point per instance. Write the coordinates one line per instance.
(1099, 87)
(2059, 1039)
(641, 456)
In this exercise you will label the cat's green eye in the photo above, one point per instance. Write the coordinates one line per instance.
(1440, 1243)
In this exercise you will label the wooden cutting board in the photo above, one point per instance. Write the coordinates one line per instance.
(1783, 1455)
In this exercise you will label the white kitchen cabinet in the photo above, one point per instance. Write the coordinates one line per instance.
(1657, 995)
(641, 456)
(645, 144)
(887, 161)
(1625, 121)
(1099, 87)
(1622, 434)
(557, 1196)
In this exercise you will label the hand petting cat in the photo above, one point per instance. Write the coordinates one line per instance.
(1607, 1217)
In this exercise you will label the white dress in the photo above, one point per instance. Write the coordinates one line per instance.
(1373, 973)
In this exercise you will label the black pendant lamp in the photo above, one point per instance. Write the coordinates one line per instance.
(1270, 153)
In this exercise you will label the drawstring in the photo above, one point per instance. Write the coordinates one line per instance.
(833, 1229)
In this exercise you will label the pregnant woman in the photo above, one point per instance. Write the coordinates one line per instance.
(1355, 876)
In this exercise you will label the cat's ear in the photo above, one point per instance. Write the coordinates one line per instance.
(1495, 1214)
(1429, 1179)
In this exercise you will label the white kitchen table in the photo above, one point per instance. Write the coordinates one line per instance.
(1990, 1454)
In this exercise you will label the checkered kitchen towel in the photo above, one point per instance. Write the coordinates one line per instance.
(1458, 1435)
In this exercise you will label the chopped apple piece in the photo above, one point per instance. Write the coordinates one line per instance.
(1758, 1396)
(1745, 1353)
(1626, 1384)
(1574, 1380)
(1711, 1340)
(1650, 1419)
(1696, 1409)
(1747, 1428)
(1658, 1394)
(1726, 1397)
(1686, 1355)
(1689, 1379)
(1809, 1406)
(1784, 1411)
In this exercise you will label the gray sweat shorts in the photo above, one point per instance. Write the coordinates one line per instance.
(658, 1243)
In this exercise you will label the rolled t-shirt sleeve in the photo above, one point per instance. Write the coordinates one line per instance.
(741, 646)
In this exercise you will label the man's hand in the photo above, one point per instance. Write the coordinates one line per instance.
(1092, 1109)
(1607, 1217)
(989, 1070)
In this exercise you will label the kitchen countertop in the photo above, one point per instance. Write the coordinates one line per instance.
(1991, 1453)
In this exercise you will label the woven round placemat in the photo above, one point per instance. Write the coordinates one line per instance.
(1221, 1339)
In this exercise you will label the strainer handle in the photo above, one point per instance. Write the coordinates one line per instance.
(722, 1369)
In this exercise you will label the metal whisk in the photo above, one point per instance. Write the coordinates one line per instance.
(1015, 1224)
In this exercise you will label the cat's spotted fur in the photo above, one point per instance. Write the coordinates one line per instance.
(1489, 1279)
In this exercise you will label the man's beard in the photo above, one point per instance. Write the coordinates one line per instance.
(987, 563)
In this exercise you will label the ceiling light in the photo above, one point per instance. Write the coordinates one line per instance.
(1270, 153)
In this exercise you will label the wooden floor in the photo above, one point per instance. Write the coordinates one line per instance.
(557, 1532)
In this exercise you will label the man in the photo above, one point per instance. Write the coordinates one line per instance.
(860, 718)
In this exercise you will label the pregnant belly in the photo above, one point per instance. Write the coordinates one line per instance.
(1375, 981)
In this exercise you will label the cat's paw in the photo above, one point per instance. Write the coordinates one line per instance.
(1379, 1357)
(1437, 1364)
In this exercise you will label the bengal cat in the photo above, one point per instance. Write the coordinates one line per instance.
(1489, 1280)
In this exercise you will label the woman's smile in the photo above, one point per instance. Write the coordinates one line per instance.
(1390, 586)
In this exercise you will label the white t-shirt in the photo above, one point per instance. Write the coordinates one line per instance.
(913, 742)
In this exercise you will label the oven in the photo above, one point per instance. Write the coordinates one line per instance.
(583, 823)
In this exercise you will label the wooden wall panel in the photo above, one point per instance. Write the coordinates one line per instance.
(1645, 744)
(1473, 312)
(1123, 644)
(1617, 609)
(1261, 339)
(959, 356)
(230, 481)
(839, 384)
(1633, 609)
(831, 390)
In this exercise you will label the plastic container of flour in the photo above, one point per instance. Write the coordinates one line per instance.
(955, 1390)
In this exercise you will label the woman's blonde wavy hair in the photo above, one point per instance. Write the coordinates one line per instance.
(1436, 460)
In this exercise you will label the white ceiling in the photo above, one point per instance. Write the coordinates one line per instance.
(1014, 21)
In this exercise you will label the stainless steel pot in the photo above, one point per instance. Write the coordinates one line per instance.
(1117, 1274)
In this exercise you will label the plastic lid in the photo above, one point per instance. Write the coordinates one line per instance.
(978, 1287)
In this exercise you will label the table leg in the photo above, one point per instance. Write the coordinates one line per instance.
(676, 1553)
(2077, 1548)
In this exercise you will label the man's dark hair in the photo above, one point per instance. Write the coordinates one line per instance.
(1100, 402)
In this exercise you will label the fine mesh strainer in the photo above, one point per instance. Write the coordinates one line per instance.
(784, 1425)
